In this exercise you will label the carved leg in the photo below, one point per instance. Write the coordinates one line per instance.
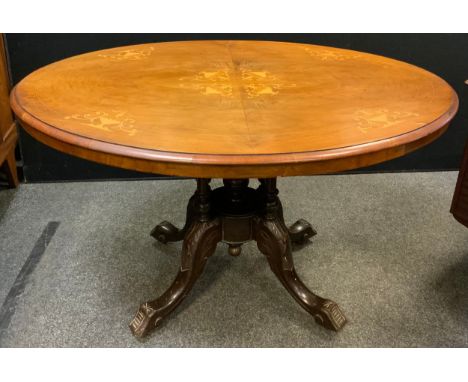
(273, 241)
(301, 230)
(200, 243)
(166, 232)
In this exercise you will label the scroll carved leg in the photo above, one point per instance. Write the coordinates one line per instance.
(273, 240)
(299, 232)
(166, 232)
(199, 243)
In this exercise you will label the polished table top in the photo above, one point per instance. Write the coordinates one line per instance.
(234, 109)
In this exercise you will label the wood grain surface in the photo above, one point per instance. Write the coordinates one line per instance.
(234, 108)
(8, 134)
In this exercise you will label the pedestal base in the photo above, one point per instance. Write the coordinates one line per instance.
(235, 214)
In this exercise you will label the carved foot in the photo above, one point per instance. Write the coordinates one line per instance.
(199, 243)
(166, 232)
(330, 316)
(301, 231)
(145, 320)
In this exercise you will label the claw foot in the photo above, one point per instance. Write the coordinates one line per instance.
(144, 321)
(166, 232)
(330, 316)
(301, 231)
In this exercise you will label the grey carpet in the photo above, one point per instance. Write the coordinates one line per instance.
(387, 250)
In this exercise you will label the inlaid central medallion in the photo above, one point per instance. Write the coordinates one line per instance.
(222, 82)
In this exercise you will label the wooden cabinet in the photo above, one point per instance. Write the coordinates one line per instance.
(460, 197)
(8, 132)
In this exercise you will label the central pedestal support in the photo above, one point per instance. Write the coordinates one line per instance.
(235, 214)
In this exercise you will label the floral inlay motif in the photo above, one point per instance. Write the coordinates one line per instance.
(330, 55)
(260, 83)
(221, 82)
(114, 121)
(217, 82)
(128, 54)
(368, 119)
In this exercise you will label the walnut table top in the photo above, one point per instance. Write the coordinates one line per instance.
(234, 109)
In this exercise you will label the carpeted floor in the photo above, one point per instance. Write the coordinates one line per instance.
(387, 250)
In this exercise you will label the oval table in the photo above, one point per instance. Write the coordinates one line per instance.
(234, 110)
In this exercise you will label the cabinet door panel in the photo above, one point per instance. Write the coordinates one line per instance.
(5, 112)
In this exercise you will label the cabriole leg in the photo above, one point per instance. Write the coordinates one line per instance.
(199, 243)
(274, 242)
(299, 232)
